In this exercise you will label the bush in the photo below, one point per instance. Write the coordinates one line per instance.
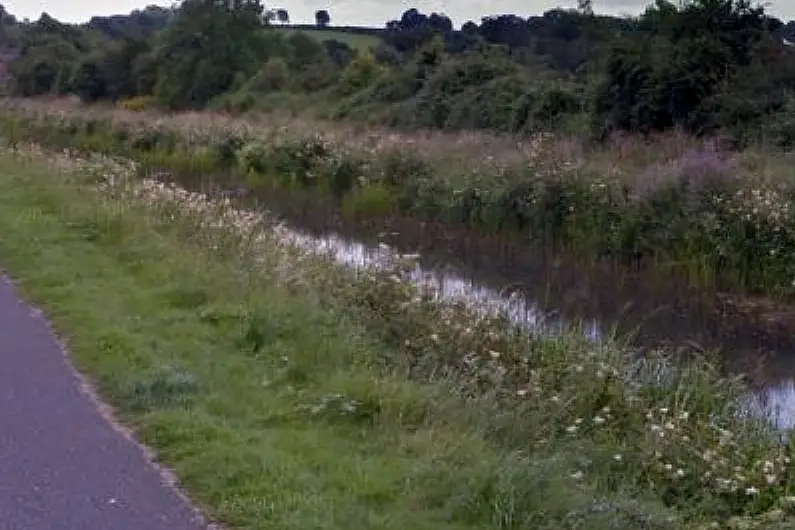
(319, 75)
(540, 108)
(435, 101)
(778, 129)
(138, 103)
(272, 77)
(488, 106)
(359, 73)
(373, 200)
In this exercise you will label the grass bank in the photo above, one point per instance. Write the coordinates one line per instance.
(717, 218)
(289, 393)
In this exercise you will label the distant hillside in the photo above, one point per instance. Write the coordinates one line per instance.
(686, 67)
(141, 23)
(356, 37)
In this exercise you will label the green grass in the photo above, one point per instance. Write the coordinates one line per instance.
(214, 371)
(281, 408)
(355, 40)
(264, 403)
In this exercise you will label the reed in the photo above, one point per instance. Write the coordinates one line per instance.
(716, 217)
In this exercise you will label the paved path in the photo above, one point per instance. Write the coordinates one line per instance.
(62, 465)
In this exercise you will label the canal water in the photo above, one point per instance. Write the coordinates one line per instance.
(547, 291)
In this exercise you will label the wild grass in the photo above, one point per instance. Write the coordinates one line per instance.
(719, 219)
(290, 393)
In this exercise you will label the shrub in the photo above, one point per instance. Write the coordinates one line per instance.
(488, 106)
(138, 103)
(373, 200)
(359, 73)
(539, 108)
(272, 77)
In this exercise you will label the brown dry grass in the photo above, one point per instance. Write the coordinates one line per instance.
(630, 158)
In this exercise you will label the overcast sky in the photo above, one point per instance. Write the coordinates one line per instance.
(354, 12)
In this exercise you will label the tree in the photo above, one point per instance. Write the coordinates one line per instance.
(414, 29)
(359, 73)
(48, 53)
(283, 16)
(470, 28)
(205, 47)
(322, 18)
(585, 7)
(673, 71)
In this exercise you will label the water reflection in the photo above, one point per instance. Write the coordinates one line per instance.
(547, 291)
(774, 398)
(448, 284)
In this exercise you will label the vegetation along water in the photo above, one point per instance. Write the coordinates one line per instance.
(645, 161)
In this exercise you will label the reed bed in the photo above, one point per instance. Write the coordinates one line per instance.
(718, 218)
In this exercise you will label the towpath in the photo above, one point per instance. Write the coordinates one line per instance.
(63, 465)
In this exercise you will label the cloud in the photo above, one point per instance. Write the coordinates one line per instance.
(377, 12)
(355, 12)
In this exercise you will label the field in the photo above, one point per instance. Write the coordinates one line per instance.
(354, 40)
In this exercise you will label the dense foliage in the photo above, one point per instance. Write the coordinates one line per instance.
(705, 66)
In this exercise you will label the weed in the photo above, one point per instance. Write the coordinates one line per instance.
(692, 209)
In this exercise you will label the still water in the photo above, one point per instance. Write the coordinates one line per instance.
(549, 292)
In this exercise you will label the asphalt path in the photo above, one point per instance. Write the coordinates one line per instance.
(63, 464)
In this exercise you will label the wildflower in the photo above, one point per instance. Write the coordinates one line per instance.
(571, 429)
(771, 479)
(617, 457)
(680, 472)
(751, 491)
(598, 420)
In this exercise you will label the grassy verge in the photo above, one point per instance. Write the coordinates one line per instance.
(288, 394)
(719, 219)
(253, 394)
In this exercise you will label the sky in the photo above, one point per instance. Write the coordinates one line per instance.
(355, 12)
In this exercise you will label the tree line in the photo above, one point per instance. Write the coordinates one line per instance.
(705, 66)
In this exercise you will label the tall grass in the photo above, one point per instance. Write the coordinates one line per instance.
(718, 218)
